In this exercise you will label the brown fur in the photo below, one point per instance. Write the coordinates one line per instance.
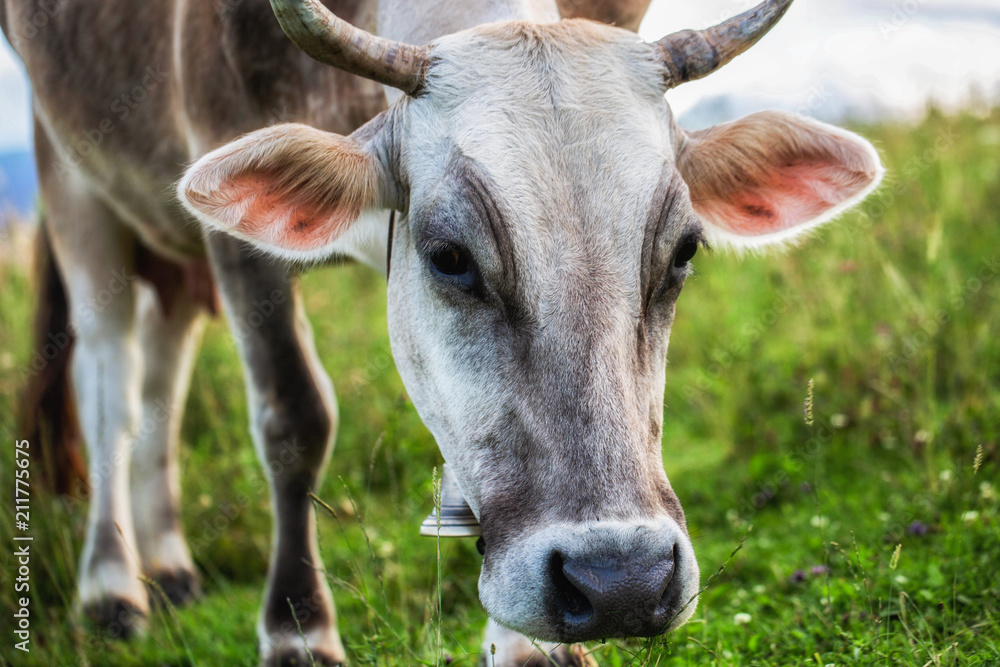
(48, 417)
(176, 281)
(622, 13)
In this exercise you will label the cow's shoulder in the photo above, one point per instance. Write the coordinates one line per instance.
(239, 72)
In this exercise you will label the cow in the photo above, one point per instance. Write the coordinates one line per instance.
(545, 212)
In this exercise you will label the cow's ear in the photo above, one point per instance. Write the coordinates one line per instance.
(289, 189)
(772, 176)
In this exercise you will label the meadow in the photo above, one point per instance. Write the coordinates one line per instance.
(832, 415)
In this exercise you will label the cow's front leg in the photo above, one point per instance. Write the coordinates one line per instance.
(516, 650)
(293, 416)
(95, 255)
(169, 335)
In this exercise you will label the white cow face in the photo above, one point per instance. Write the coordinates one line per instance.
(550, 213)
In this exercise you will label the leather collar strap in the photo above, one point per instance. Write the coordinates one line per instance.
(388, 244)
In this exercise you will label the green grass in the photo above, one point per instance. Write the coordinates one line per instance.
(892, 312)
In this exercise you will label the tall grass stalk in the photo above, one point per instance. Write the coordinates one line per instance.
(437, 485)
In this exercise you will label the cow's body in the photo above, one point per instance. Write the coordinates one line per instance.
(132, 97)
(127, 95)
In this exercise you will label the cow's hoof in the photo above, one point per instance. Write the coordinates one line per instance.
(180, 587)
(297, 659)
(116, 618)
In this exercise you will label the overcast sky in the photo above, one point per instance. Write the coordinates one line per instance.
(828, 58)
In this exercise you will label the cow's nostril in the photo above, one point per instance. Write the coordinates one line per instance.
(671, 594)
(570, 602)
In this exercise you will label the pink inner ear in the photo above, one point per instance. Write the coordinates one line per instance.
(782, 198)
(252, 206)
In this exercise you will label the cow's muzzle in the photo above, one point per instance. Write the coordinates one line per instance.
(589, 581)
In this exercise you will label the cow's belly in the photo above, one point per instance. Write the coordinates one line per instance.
(145, 202)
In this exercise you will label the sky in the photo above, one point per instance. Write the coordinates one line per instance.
(833, 59)
(15, 102)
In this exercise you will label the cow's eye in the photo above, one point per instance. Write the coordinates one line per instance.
(452, 261)
(685, 254)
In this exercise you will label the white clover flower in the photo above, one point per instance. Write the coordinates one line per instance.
(987, 492)
(742, 618)
(970, 517)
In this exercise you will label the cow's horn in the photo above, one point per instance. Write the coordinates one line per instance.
(332, 40)
(692, 54)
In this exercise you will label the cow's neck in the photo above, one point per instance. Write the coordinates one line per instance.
(421, 21)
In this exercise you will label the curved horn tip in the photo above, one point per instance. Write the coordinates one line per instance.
(692, 54)
(329, 39)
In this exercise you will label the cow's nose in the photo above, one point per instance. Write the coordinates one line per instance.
(613, 597)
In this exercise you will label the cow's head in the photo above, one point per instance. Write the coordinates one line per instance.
(550, 210)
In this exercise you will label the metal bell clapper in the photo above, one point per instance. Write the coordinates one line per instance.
(457, 519)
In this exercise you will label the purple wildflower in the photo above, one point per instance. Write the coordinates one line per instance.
(798, 576)
(918, 529)
(818, 570)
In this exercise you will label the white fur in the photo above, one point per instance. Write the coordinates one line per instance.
(169, 346)
(92, 249)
